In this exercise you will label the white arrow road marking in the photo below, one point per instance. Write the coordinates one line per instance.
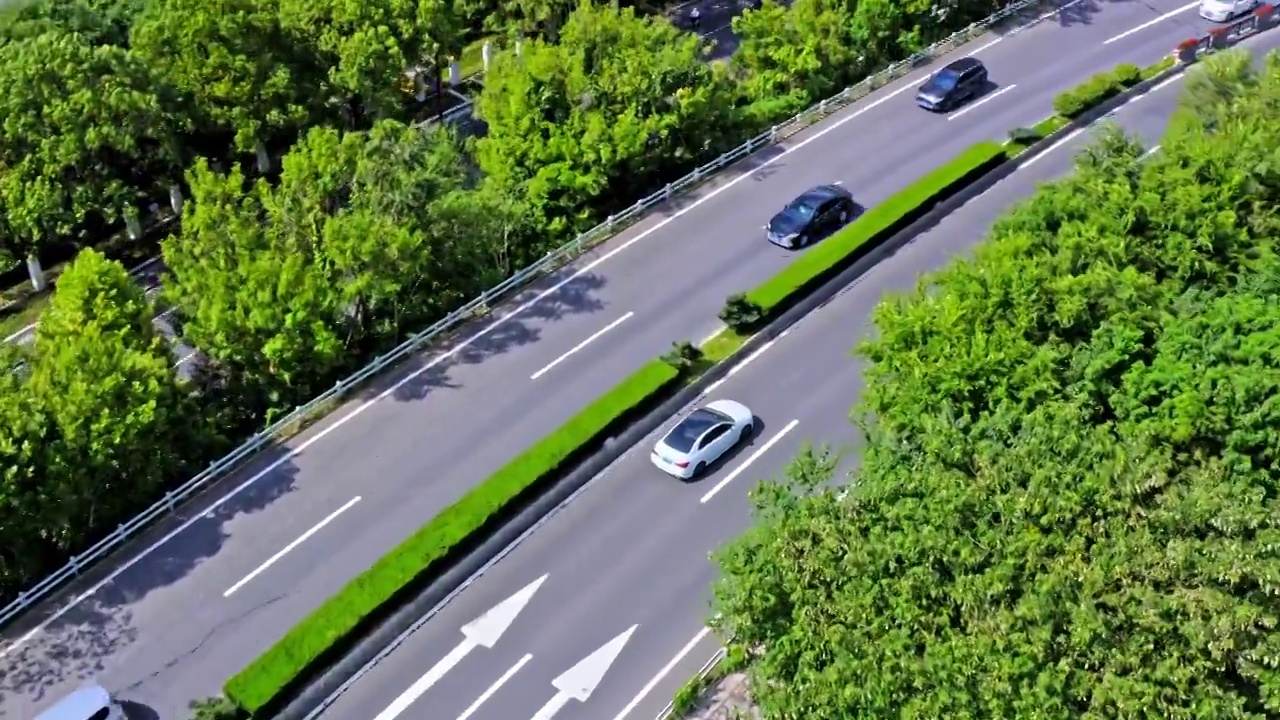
(579, 681)
(484, 631)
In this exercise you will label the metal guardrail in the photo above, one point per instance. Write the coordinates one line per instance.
(549, 263)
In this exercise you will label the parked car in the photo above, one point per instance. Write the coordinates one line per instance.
(1224, 10)
(957, 83)
(815, 212)
(702, 437)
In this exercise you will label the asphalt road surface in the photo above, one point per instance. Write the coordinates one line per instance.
(196, 600)
(629, 556)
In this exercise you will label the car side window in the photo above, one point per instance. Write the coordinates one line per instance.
(712, 435)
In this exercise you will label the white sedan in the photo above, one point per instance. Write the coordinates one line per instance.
(703, 437)
(1224, 10)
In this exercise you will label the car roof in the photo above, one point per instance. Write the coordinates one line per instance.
(964, 63)
(79, 704)
(819, 192)
(695, 425)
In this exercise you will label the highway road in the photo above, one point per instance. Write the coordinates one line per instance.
(200, 597)
(629, 556)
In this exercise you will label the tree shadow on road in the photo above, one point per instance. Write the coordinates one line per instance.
(569, 295)
(72, 641)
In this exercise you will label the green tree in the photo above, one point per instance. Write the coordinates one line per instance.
(792, 56)
(357, 244)
(619, 105)
(232, 61)
(94, 427)
(100, 22)
(363, 48)
(73, 110)
(1067, 506)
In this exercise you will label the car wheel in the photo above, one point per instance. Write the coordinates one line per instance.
(697, 470)
(844, 218)
(802, 240)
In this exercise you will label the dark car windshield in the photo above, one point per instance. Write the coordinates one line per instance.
(945, 80)
(683, 436)
(799, 210)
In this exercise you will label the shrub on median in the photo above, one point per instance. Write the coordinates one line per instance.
(776, 294)
(305, 648)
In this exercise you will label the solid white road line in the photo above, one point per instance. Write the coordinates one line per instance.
(1154, 149)
(21, 332)
(1151, 22)
(666, 670)
(494, 687)
(980, 101)
(580, 345)
(733, 370)
(1167, 82)
(747, 463)
(984, 46)
(275, 558)
(1068, 138)
(443, 357)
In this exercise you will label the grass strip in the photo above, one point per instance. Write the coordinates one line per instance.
(777, 293)
(267, 680)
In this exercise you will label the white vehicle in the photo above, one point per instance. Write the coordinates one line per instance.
(703, 437)
(90, 702)
(1224, 10)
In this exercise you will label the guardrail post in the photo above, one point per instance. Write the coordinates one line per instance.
(666, 191)
(168, 500)
(609, 221)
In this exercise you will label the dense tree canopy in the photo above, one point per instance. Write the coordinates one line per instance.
(1067, 506)
(621, 102)
(93, 424)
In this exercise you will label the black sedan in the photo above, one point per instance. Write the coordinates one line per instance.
(959, 82)
(816, 212)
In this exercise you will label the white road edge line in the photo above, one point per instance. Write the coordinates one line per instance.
(494, 687)
(1068, 138)
(303, 538)
(666, 670)
(21, 332)
(1154, 149)
(1151, 22)
(987, 45)
(733, 370)
(430, 365)
(747, 463)
(580, 345)
(1167, 82)
(980, 101)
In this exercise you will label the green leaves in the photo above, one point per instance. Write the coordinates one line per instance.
(1067, 503)
(621, 103)
(93, 426)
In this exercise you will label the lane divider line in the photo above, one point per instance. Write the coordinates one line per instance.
(580, 345)
(666, 670)
(747, 463)
(980, 102)
(303, 538)
(1153, 21)
(488, 693)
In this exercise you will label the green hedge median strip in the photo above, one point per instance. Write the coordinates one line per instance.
(871, 227)
(263, 682)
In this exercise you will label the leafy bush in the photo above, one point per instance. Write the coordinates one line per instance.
(683, 355)
(1127, 74)
(873, 226)
(268, 678)
(1025, 135)
(740, 314)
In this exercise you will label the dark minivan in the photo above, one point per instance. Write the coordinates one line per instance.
(961, 81)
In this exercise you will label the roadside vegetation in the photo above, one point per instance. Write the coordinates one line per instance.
(358, 229)
(1067, 502)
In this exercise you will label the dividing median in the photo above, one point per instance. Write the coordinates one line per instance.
(269, 682)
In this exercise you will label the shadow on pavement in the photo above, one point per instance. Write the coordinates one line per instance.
(73, 647)
(502, 333)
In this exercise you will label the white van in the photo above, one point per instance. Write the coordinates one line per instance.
(91, 702)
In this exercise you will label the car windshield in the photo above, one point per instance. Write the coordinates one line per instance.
(683, 436)
(800, 209)
(945, 80)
